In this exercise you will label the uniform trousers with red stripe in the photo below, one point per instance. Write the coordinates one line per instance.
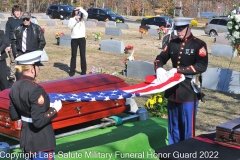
(181, 121)
(43, 155)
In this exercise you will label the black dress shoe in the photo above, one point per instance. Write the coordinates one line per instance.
(82, 73)
(71, 74)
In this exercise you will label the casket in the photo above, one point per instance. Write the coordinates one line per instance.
(72, 113)
(228, 133)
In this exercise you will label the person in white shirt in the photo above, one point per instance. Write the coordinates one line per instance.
(78, 33)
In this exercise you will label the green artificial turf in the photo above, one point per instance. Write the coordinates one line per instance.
(132, 140)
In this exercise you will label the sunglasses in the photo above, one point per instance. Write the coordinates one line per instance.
(26, 19)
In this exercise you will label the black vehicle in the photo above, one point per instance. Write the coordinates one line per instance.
(58, 11)
(101, 14)
(158, 21)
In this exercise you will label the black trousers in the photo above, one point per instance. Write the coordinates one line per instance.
(81, 42)
(3, 75)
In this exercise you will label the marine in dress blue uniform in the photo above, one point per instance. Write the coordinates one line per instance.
(30, 103)
(189, 57)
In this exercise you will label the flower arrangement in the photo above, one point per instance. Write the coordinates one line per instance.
(128, 48)
(142, 31)
(101, 70)
(233, 26)
(157, 105)
(162, 30)
(118, 21)
(58, 34)
(43, 29)
(97, 35)
(194, 23)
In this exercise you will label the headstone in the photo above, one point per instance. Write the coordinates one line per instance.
(221, 38)
(45, 17)
(139, 69)
(112, 46)
(153, 32)
(220, 79)
(34, 20)
(122, 25)
(113, 31)
(44, 56)
(144, 27)
(51, 23)
(111, 23)
(222, 50)
(101, 24)
(65, 22)
(153, 27)
(93, 20)
(3, 25)
(90, 24)
(65, 40)
(2, 16)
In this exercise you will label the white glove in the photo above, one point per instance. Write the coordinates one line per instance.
(161, 75)
(171, 72)
(51, 104)
(57, 105)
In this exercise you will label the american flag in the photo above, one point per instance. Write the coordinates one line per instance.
(150, 86)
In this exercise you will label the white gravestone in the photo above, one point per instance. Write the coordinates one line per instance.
(65, 40)
(51, 23)
(139, 69)
(113, 31)
(112, 46)
(153, 32)
(101, 24)
(90, 24)
(221, 79)
(122, 26)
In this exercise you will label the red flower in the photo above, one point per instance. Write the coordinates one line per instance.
(43, 29)
(128, 47)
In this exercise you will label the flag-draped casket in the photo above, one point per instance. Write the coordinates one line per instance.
(72, 112)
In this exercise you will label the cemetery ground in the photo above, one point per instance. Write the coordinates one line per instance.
(218, 108)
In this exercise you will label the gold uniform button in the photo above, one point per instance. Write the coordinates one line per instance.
(180, 52)
(178, 62)
(179, 57)
(182, 48)
(183, 44)
(177, 66)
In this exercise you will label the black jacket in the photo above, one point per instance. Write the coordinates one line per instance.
(29, 99)
(10, 25)
(3, 45)
(35, 41)
(190, 57)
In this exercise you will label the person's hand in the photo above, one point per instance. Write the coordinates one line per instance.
(161, 75)
(79, 8)
(77, 18)
(171, 72)
(57, 105)
(8, 49)
(51, 104)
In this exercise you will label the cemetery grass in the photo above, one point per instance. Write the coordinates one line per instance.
(218, 108)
